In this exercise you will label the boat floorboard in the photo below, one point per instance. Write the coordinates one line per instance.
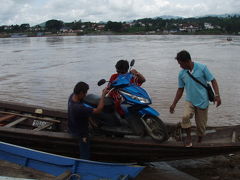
(14, 170)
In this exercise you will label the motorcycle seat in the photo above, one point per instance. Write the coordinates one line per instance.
(93, 99)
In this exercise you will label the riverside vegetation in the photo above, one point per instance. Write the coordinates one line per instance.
(229, 24)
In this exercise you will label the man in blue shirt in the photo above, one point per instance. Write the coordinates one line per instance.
(197, 101)
(78, 116)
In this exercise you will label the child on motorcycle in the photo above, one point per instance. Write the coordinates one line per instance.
(122, 67)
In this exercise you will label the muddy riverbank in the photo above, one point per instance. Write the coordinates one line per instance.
(223, 167)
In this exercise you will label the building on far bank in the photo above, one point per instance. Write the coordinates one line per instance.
(208, 26)
(188, 28)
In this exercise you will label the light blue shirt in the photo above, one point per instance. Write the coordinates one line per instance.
(195, 92)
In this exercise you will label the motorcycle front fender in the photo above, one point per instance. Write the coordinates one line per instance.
(150, 111)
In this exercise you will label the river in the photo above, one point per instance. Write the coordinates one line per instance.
(43, 70)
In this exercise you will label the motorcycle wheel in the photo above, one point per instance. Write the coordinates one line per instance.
(155, 128)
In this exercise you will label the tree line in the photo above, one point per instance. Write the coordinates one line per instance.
(229, 24)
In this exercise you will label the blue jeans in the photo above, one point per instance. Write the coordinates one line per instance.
(84, 148)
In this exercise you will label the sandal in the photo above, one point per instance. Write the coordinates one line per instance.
(188, 142)
(188, 145)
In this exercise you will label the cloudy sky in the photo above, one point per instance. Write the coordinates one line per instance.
(38, 11)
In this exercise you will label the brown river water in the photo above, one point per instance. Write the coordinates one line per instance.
(43, 71)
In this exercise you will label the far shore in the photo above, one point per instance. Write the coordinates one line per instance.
(20, 35)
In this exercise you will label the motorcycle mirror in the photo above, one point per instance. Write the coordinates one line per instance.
(101, 82)
(132, 62)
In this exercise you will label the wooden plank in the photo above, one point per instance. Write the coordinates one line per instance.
(7, 117)
(24, 173)
(15, 122)
(32, 117)
(233, 137)
(65, 175)
(43, 127)
(32, 109)
(30, 133)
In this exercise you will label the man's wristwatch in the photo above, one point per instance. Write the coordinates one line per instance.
(217, 95)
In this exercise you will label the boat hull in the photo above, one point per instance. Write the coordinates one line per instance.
(218, 140)
(58, 165)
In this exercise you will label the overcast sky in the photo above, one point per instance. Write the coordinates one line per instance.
(38, 11)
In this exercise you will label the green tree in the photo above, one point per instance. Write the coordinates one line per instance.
(54, 25)
(2, 29)
(114, 26)
(15, 28)
(24, 27)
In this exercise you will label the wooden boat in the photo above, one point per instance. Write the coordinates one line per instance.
(45, 130)
(59, 165)
(18, 35)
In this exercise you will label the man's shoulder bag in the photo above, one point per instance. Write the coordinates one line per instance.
(208, 87)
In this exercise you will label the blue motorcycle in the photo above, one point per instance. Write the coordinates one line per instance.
(139, 118)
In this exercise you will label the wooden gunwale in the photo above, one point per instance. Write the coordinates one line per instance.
(31, 109)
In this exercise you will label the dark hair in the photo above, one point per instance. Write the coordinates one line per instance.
(122, 66)
(81, 87)
(183, 56)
